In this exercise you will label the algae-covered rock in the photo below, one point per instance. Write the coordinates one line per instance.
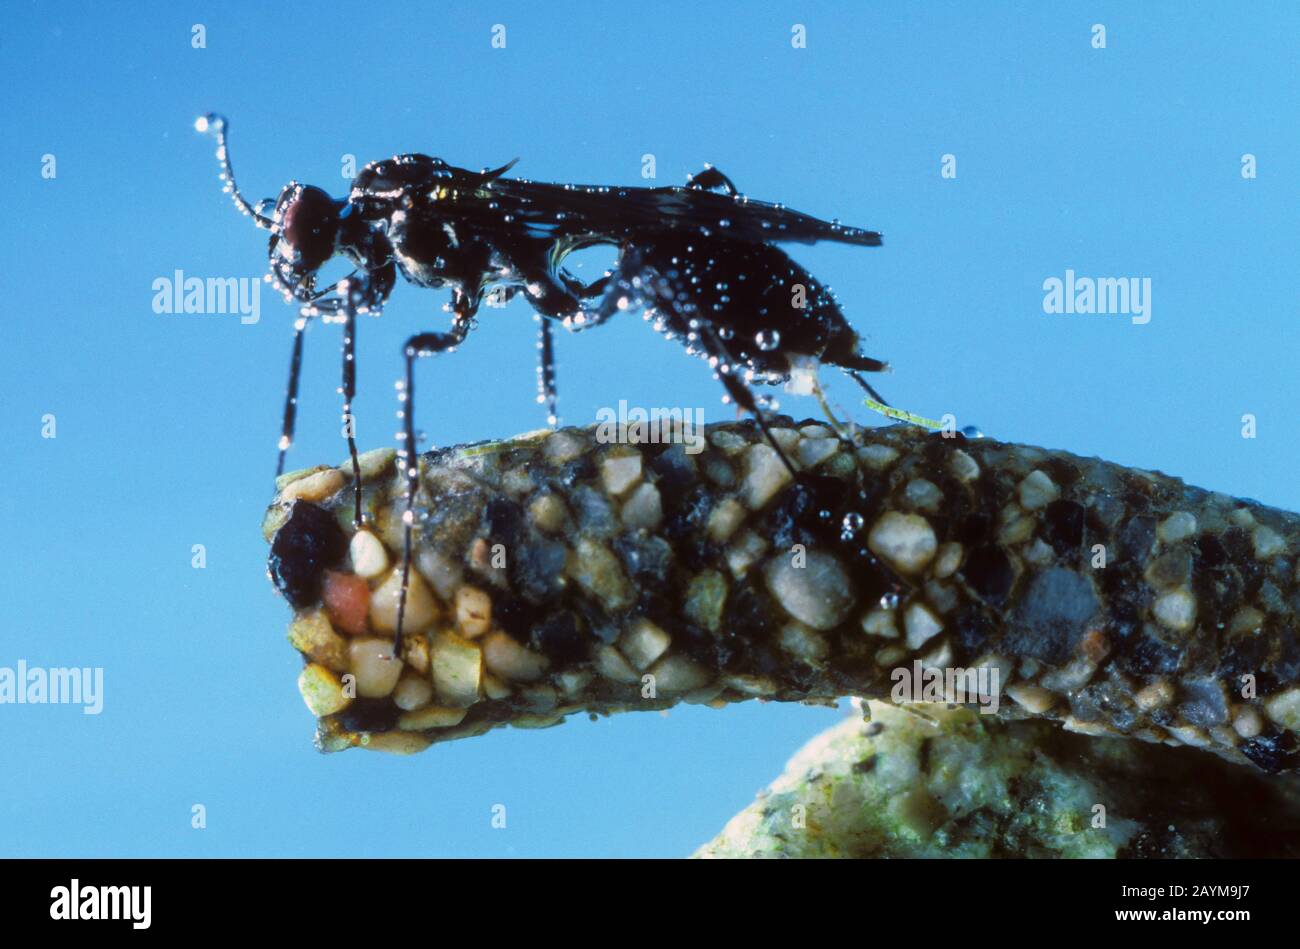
(929, 781)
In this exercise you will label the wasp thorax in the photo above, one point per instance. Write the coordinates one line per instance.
(309, 221)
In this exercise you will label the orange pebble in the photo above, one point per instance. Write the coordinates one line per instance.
(347, 600)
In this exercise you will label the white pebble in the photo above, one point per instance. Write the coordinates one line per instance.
(1268, 542)
(317, 487)
(923, 494)
(509, 660)
(921, 625)
(817, 593)
(1176, 527)
(765, 475)
(725, 517)
(421, 608)
(643, 643)
(906, 541)
(412, 692)
(643, 508)
(1176, 609)
(1037, 491)
(620, 473)
(963, 466)
(456, 667)
(1284, 708)
(369, 558)
(376, 669)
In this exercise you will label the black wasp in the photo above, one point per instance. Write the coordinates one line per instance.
(699, 260)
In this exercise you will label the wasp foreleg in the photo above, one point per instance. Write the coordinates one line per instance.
(418, 347)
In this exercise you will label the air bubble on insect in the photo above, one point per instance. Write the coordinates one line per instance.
(889, 601)
(724, 223)
(767, 340)
(850, 526)
(726, 332)
(972, 432)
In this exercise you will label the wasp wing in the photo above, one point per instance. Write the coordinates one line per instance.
(600, 211)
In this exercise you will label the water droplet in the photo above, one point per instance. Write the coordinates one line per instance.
(767, 340)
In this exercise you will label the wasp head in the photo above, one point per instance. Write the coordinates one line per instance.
(304, 236)
(304, 224)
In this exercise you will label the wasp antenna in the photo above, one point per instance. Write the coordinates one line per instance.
(218, 126)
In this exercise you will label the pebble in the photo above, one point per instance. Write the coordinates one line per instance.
(598, 571)
(728, 442)
(877, 456)
(548, 513)
(963, 466)
(880, 622)
(725, 517)
(611, 664)
(369, 556)
(322, 690)
(705, 597)
(443, 573)
(316, 487)
(920, 624)
(1037, 491)
(1176, 610)
(678, 674)
(1177, 526)
(642, 643)
(643, 508)
(802, 643)
(1031, 698)
(948, 560)
(506, 658)
(906, 541)
(431, 717)
(312, 635)
(1268, 542)
(422, 610)
(1156, 695)
(371, 660)
(818, 593)
(495, 688)
(412, 692)
(765, 475)
(621, 472)
(745, 551)
(563, 446)
(923, 494)
(813, 451)
(1247, 722)
(473, 611)
(347, 600)
(456, 667)
(1284, 708)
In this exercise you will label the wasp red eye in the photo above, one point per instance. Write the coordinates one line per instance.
(310, 222)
